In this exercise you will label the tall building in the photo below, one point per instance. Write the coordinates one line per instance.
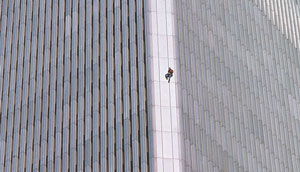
(83, 88)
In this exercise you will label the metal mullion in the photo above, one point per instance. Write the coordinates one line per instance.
(0, 10)
(298, 25)
(179, 52)
(276, 15)
(4, 91)
(39, 86)
(45, 94)
(186, 86)
(32, 88)
(133, 84)
(279, 13)
(52, 99)
(23, 132)
(103, 87)
(126, 87)
(148, 64)
(111, 87)
(288, 20)
(141, 87)
(2, 46)
(17, 113)
(66, 88)
(74, 61)
(59, 87)
(118, 86)
(11, 90)
(95, 87)
(181, 64)
(81, 81)
(191, 62)
(284, 19)
(88, 88)
(197, 92)
(295, 25)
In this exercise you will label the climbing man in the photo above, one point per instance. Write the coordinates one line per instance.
(169, 74)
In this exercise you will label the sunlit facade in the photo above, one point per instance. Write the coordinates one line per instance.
(239, 84)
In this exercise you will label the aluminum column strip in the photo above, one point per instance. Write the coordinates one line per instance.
(32, 87)
(126, 87)
(1, 1)
(18, 98)
(88, 89)
(133, 85)
(23, 139)
(6, 77)
(141, 86)
(118, 86)
(81, 87)
(59, 88)
(67, 88)
(110, 87)
(46, 84)
(74, 76)
(12, 83)
(95, 87)
(3, 31)
(52, 98)
(103, 87)
(39, 86)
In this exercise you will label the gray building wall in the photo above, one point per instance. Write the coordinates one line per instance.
(82, 85)
(73, 86)
(239, 91)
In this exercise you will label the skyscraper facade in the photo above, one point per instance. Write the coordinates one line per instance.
(239, 84)
(83, 88)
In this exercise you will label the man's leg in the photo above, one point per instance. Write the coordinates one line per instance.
(167, 76)
(170, 76)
